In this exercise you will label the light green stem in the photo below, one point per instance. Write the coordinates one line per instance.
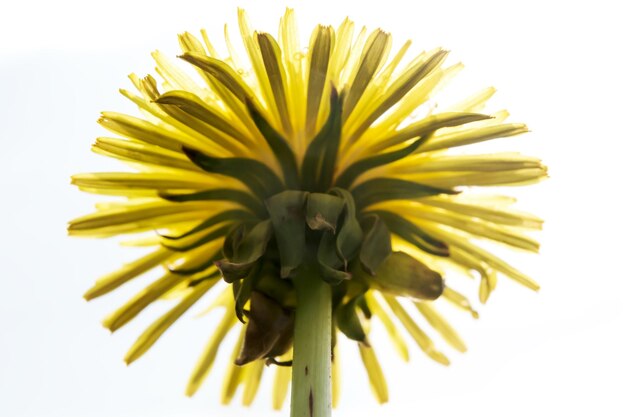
(311, 383)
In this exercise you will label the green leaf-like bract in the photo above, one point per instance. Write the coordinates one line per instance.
(384, 189)
(350, 235)
(376, 245)
(404, 276)
(323, 211)
(318, 165)
(329, 261)
(189, 270)
(227, 215)
(220, 71)
(246, 252)
(257, 176)
(287, 216)
(351, 173)
(242, 198)
(279, 146)
(349, 322)
(195, 107)
(413, 234)
(242, 291)
(215, 234)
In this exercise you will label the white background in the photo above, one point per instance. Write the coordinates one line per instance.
(559, 66)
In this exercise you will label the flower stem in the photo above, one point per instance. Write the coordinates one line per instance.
(311, 383)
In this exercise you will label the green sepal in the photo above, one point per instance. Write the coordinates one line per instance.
(195, 107)
(428, 125)
(318, 165)
(211, 124)
(404, 276)
(373, 53)
(216, 234)
(350, 234)
(279, 290)
(400, 87)
(185, 270)
(212, 221)
(384, 189)
(279, 146)
(236, 289)
(269, 332)
(323, 211)
(140, 130)
(329, 261)
(275, 71)
(222, 72)
(349, 322)
(320, 49)
(242, 290)
(233, 239)
(287, 216)
(365, 308)
(247, 252)
(333, 276)
(413, 234)
(376, 245)
(196, 281)
(358, 168)
(243, 198)
(232, 272)
(257, 176)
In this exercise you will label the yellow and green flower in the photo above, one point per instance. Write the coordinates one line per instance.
(295, 190)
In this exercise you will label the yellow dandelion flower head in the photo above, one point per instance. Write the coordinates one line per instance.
(305, 159)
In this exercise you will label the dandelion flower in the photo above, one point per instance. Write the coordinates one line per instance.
(295, 191)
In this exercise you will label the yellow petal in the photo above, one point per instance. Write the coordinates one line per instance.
(156, 329)
(441, 325)
(474, 103)
(507, 217)
(256, 59)
(396, 337)
(154, 181)
(139, 129)
(481, 254)
(319, 58)
(138, 218)
(487, 285)
(177, 78)
(399, 90)
(373, 56)
(294, 61)
(209, 46)
(475, 226)
(126, 273)
(374, 373)
(141, 300)
(459, 300)
(252, 381)
(207, 358)
(143, 153)
(341, 55)
(272, 60)
(470, 136)
(282, 379)
(422, 340)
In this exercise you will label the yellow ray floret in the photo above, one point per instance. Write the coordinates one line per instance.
(247, 167)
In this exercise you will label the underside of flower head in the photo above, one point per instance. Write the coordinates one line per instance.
(288, 159)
